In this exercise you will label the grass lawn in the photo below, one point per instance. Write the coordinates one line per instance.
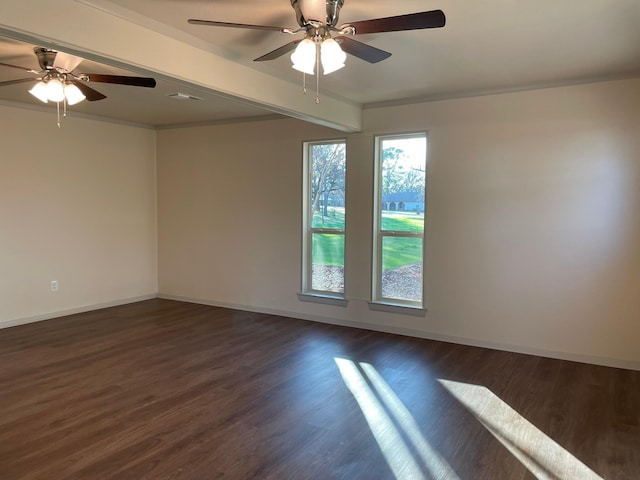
(334, 219)
(328, 249)
(398, 252)
(409, 222)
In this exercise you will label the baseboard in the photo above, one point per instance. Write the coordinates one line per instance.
(72, 311)
(573, 357)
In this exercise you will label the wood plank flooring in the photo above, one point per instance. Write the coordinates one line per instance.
(171, 390)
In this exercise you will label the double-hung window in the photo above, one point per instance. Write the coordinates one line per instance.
(324, 218)
(399, 219)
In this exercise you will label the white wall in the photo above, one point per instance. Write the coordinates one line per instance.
(533, 227)
(77, 205)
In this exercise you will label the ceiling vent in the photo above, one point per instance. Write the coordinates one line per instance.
(183, 96)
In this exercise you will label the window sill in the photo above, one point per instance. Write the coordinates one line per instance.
(400, 309)
(323, 299)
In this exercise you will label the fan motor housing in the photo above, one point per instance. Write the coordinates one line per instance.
(323, 12)
(46, 57)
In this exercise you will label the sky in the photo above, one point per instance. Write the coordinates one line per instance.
(415, 150)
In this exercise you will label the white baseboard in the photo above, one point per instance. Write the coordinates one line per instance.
(590, 359)
(71, 311)
(573, 357)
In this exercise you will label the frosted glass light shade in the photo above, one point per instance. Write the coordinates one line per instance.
(39, 91)
(73, 94)
(304, 56)
(55, 90)
(332, 56)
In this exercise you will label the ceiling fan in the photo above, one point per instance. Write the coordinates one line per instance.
(57, 81)
(318, 20)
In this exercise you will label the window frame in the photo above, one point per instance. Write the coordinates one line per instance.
(308, 230)
(377, 299)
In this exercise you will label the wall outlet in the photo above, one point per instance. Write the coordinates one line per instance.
(54, 285)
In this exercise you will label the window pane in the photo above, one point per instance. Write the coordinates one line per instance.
(403, 165)
(327, 262)
(402, 268)
(327, 185)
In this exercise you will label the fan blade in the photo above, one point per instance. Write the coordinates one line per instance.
(411, 21)
(91, 94)
(30, 70)
(278, 52)
(361, 50)
(13, 82)
(212, 23)
(121, 80)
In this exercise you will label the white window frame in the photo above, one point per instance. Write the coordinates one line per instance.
(308, 230)
(379, 234)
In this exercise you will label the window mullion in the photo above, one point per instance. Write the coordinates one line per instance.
(399, 233)
(332, 231)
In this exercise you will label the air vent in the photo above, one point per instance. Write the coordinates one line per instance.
(183, 96)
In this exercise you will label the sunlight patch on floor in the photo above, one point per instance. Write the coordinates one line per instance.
(435, 463)
(395, 450)
(541, 455)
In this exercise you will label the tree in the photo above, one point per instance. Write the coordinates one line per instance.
(414, 180)
(396, 176)
(327, 176)
(392, 170)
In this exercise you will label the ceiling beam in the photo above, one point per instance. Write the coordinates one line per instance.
(93, 33)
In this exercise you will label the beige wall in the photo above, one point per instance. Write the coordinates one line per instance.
(533, 229)
(77, 205)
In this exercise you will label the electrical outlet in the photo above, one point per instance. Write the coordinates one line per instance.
(54, 285)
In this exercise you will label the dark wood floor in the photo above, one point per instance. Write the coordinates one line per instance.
(171, 390)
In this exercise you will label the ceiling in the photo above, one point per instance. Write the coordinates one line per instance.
(144, 106)
(486, 47)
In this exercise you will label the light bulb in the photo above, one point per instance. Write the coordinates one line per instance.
(332, 56)
(304, 57)
(73, 94)
(39, 91)
(55, 90)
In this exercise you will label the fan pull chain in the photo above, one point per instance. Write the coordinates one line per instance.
(58, 109)
(317, 73)
(304, 83)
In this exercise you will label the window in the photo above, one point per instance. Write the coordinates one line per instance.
(400, 187)
(324, 218)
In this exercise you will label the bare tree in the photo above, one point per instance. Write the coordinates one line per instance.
(327, 176)
(398, 178)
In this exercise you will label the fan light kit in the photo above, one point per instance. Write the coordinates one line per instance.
(58, 83)
(57, 89)
(305, 56)
(318, 20)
